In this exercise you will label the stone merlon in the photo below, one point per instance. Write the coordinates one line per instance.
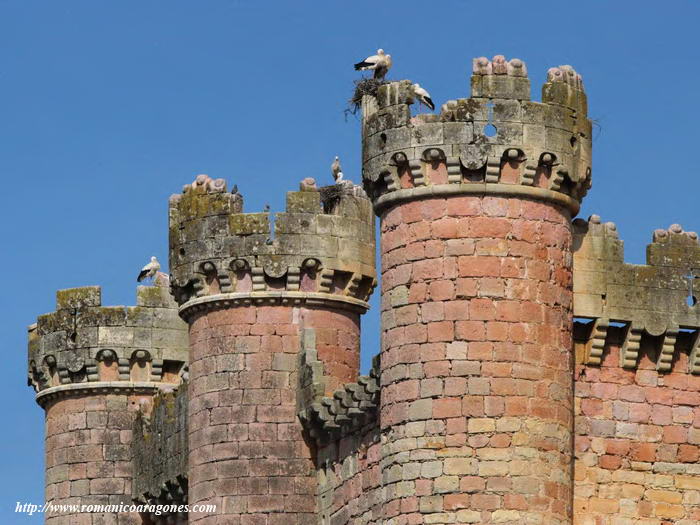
(321, 247)
(496, 142)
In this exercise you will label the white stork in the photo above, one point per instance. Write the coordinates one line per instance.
(336, 170)
(423, 96)
(379, 63)
(150, 270)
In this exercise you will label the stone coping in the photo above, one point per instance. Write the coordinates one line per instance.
(444, 190)
(100, 387)
(281, 297)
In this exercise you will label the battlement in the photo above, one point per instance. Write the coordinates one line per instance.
(83, 342)
(497, 141)
(322, 247)
(656, 299)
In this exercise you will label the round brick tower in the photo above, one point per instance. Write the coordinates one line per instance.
(93, 367)
(248, 284)
(476, 360)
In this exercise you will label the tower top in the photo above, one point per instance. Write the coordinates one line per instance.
(320, 249)
(496, 142)
(84, 345)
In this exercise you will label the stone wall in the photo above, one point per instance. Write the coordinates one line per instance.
(159, 453)
(94, 369)
(88, 454)
(476, 405)
(345, 432)
(637, 389)
(349, 479)
(637, 438)
(476, 365)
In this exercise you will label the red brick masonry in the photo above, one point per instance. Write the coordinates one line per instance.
(476, 361)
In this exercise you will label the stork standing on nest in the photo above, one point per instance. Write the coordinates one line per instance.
(336, 170)
(423, 96)
(379, 63)
(150, 270)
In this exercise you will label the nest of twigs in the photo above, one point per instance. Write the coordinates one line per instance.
(363, 86)
(330, 196)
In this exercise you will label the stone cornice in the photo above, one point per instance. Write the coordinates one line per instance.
(444, 190)
(99, 388)
(226, 300)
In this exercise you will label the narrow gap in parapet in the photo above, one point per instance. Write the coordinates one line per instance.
(271, 222)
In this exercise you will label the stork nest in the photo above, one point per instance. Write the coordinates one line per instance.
(363, 86)
(330, 196)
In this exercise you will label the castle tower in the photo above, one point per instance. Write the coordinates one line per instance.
(93, 368)
(476, 203)
(248, 284)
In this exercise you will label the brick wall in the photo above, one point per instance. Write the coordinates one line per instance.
(248, 454)
(349, 479)
(476, 361)
(88, 455)
(637, 439)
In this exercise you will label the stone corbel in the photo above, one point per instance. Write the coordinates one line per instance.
(325, 284)
(293, 278)
(493, 168)
(258, 277)
(157, 370)
(417, 172)
(557, 179)
(668, 347)
(124, 369)
(454, 170)
(629, 352)
(694, 358)
(528, 176)
(353, 285)
(390, 179)
(596, 342)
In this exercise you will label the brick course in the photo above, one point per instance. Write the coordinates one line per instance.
(248, 454)
(88, 455)
(476, 361)
(637, 439)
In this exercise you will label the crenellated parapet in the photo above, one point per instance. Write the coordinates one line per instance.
(320, 249)
(497, 141)
(350, 408)
(84, 345)
(657, 299)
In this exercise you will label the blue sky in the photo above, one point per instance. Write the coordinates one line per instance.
(106, 108)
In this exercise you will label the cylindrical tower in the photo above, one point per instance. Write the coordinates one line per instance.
(476, 360)
(248, 283)
(93, 367)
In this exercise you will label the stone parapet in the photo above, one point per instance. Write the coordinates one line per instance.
(84, 344)
(320, 249)
(159, 455)
(657, 299)
(495, 142)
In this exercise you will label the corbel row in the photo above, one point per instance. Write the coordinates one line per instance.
(212, 280)
(88, 370)
(417, 169)
(351, 407)
(172, 493)
(631, 342)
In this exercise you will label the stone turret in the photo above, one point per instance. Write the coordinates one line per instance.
(249, 285)
(476, 403)
(94, 368)
(498, 136)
